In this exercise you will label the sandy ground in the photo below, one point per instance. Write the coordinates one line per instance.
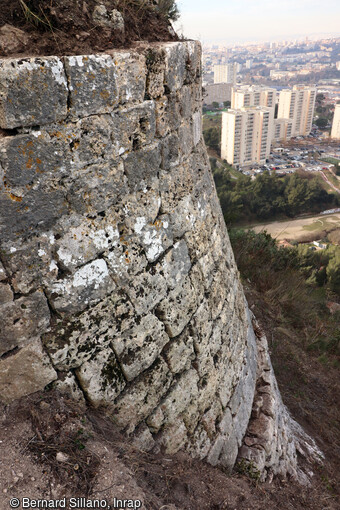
(296, 228)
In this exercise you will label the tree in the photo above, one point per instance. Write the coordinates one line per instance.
(168, 9)
(215, 104)
(321, 122)
(226, 104)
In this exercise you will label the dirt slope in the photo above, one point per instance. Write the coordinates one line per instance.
(69, 27)
(98, 462)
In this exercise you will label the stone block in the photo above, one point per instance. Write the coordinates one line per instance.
(75, 340)
(101, 378)
(143, 439)
(176, 310)
(138, 347)
(125, 259)
(229, 452)
(92, 83)
(142, 166)
(130, 71)
(30, 263)
(155, 62)
(197, 127)
(88, 285)
(133, 127)
(33, 92)
(156, 238)
(176, 264)
(155, 420)
(139, 399)
(180, 396)
(26, 318)
(170, 151)
(97, 188)
(180, 352)
(25, 372)
(176, 57)
(3, 274)
(174, 437)
(84, 242)
(145, 291)
(90, 140)
(31, 198)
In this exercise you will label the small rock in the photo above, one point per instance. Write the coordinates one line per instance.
(62, 457)
(104, 18)
(12, 39)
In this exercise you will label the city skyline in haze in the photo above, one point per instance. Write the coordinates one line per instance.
(227, 22)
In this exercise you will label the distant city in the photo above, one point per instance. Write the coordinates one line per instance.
(272, 92)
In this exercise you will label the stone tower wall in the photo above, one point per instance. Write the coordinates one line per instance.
(117, 278)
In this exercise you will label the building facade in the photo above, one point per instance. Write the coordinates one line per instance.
(335, 133)
(282, 129)
(246, 135)
(297, 104)
(253, 96)
(225, 73)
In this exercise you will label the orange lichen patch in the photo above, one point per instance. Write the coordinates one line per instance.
(158, 224)
(14, 197)
(29, 163)
(105, 94)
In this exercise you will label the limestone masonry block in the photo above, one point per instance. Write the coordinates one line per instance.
(26, 318)
(131, 76)
(138, 347)
(25, 372)
(92, 83)
(33, 92)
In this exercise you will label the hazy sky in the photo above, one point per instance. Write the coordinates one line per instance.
(257, 20)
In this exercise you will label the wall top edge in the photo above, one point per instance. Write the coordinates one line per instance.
(136, 49)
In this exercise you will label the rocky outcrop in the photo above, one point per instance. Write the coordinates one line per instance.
(118, 280)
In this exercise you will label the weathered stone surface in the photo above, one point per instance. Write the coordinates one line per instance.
(138, 347)
(31, 197)
(133, 127)
(176, 264)
(25, 372)
(26, 318)
(75, 340)
(92, 84)
(3, 274)
(146, 291)
(87, 286)
(131, 76)
(101, 378)
(180, 352)
(176, 310)
(142, 397)
(33, 92)
(141, 166)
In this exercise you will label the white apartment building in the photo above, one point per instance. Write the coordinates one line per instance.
(253, 96)
(298, 105)
(283, 129)
(246, 135)
(225, 73)
(335, 133)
